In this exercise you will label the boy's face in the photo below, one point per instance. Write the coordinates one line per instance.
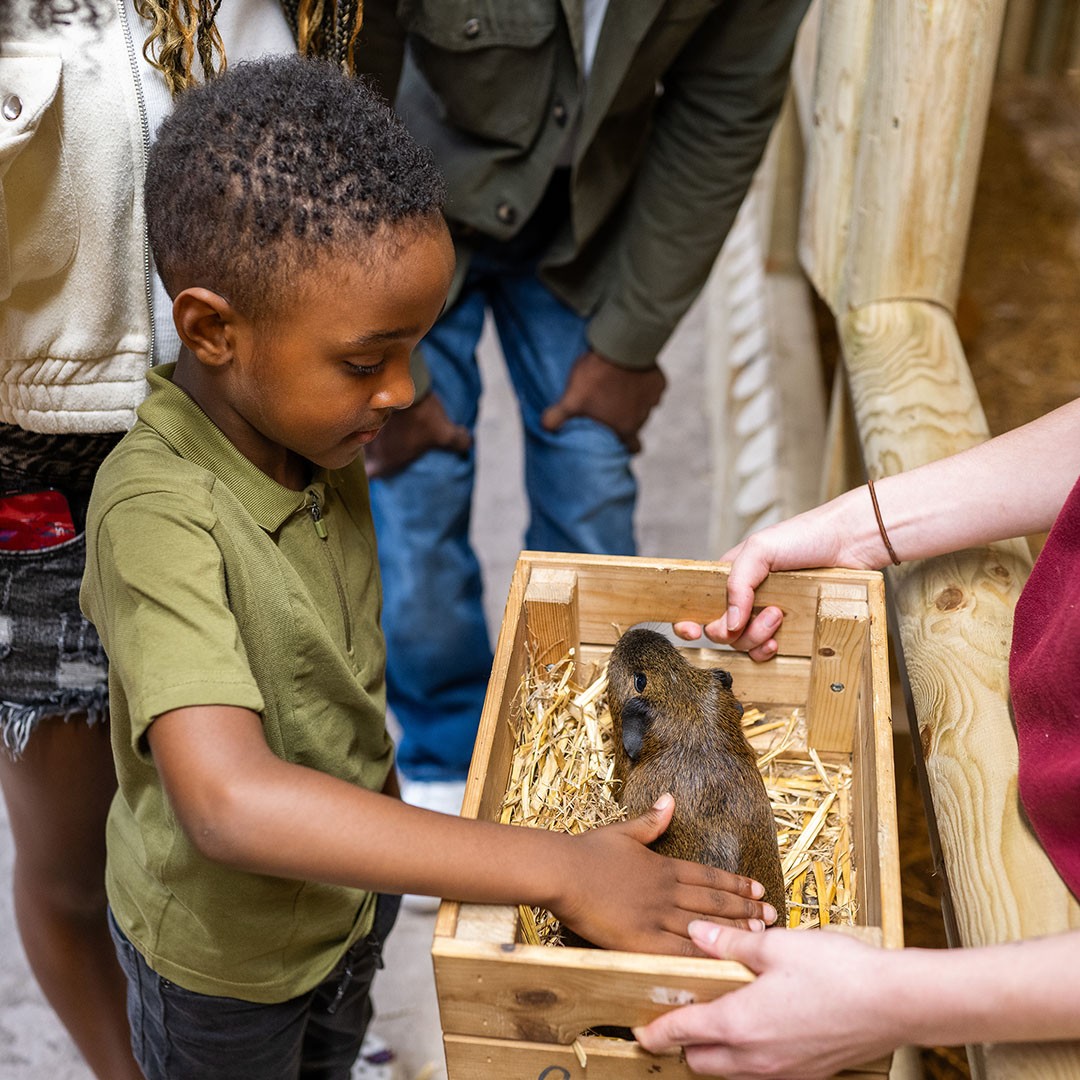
(318, 382)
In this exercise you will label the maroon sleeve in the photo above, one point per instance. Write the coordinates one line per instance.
(1044, 675)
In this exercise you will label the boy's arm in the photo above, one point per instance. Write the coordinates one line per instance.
(243, 806)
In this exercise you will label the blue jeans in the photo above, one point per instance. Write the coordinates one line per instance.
(177, 1034)
(581, 495)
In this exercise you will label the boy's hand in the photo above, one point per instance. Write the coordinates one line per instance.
(621, 895)
(410, 433)
(621, 398)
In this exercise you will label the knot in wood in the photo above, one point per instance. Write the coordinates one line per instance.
(949, 599)
(536, 999)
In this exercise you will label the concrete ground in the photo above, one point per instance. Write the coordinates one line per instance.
(671, 521)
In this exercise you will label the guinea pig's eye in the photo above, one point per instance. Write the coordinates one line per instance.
(640, 682)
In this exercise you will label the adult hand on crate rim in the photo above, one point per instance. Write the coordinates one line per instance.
(619, 894)
(774, 1026)
(757, 639)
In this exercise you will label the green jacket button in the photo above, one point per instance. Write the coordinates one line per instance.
(471, 28)
(506, 213)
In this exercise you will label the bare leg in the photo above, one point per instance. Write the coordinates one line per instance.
(58, 796)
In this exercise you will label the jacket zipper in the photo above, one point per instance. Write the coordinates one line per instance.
(144, 123)
(314, 508)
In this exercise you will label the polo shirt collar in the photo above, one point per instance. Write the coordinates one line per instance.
(193, 435)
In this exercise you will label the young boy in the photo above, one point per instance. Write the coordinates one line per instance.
(232, 576)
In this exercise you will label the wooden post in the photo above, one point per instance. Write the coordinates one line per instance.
(893, 163)
(842, 463)
(836, 665)
(1016, 37)
(843, 56)
(551, 615)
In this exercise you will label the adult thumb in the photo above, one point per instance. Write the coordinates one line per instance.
(728, 943)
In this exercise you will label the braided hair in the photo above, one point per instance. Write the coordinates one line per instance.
(185, 30)
(304, 162)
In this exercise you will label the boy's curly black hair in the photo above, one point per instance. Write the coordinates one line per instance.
(267, 166)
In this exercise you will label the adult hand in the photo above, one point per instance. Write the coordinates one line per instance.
(618, 397)
(775, 1026)
(829, 535)
(755, 639)
(410, 433)
(619, 894)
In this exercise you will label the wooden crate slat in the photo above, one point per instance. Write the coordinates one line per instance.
(840, 642)
(784, 681)
(544, 994)
(615, 592)
(606, 1059)
(551, 614)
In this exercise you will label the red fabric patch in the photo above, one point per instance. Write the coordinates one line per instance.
(36, 519)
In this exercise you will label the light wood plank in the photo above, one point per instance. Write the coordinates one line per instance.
(836, 673)
(546, 994)
(843, 58)
(927, 96)
(551, 614)
(471, 1058)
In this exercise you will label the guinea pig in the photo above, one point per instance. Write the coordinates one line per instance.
(678, 728)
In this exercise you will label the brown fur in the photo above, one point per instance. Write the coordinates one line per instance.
(682, 732)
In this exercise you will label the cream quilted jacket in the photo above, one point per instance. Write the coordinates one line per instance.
(75, 324)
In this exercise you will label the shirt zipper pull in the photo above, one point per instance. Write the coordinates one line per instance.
(315, 510)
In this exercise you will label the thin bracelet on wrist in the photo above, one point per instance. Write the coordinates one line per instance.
(881, 524)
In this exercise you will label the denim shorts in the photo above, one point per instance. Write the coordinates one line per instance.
(51, 661)
(177, 1034)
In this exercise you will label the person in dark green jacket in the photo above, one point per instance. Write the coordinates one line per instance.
(596, 154)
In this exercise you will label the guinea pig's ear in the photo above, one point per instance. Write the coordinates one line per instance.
(722, 677)
(636, 717)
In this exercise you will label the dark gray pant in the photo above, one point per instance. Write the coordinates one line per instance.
(177, 1034)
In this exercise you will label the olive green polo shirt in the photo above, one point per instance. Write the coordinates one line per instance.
(210, 584)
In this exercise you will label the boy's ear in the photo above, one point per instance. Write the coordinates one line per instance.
(206, 323)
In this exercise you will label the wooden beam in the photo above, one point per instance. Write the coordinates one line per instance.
(892, 171)
(843, 57)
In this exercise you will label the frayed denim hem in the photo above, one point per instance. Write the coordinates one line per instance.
(17, 721)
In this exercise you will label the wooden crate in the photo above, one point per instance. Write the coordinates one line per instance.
(512, 1011)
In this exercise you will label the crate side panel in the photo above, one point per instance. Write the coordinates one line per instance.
(494, 750)
(615, 592)
(782, 681)
(470, 1058)
(882, 795)
(551, 995)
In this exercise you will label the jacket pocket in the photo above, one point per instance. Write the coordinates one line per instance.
(38, 221)
(490, 64)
